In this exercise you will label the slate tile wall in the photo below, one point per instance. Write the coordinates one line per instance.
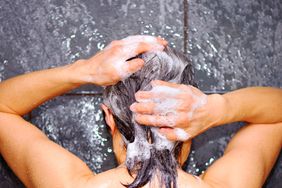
(235, 44)
(232, 44)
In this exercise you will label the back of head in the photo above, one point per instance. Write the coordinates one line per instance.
(148, 152)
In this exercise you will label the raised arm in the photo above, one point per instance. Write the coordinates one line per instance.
(21, 94)
(248, 158)
(196, 112)
(37, 161)
(253, 105)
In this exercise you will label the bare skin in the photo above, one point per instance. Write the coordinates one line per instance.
(253, 105)
(39, 162)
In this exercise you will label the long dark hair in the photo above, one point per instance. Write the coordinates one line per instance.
(144, 158)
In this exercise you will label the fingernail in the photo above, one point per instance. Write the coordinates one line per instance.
(133, 107)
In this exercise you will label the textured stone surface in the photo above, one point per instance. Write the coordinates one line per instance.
(234, 44)
(231, 43)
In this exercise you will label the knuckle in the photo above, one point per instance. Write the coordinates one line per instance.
(183, 120)
(117, 49)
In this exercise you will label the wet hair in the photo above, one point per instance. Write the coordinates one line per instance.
(144, 156)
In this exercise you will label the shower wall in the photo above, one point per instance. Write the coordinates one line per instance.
(232, 44)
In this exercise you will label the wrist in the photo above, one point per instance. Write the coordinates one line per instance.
(77, 74)
(217, 109)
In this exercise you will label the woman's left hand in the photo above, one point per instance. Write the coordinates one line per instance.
(181, 111)
(111, 64)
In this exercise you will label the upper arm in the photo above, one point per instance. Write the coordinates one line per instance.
(36, 160)
(248, 158)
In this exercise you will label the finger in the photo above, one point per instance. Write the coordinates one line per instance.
(134, 65)
(141, 95)
(143, 108)
(168, 133)
(156, 92)
(176, 134)
(156, 120)
(181, 134)
(143, 47)
(144, 38)
(127, 51)
(163, 83)
(162, 41)
(148, 96)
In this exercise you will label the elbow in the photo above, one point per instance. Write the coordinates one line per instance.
(7, 110)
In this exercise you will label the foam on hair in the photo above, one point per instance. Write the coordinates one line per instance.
(148, 152)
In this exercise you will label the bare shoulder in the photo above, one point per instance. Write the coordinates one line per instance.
(119, 177)
(111, 178)
(188, 180)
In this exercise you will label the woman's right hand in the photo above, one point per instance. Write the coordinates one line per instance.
(110, 65)
(181, 111)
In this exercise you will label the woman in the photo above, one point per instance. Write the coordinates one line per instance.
(38, 162)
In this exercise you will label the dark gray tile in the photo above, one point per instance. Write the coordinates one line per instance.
(235, 44)
(76, 123)
(42, 34)
(209, 146)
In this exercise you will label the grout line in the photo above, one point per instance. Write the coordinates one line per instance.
(215, 92)
(185, 22)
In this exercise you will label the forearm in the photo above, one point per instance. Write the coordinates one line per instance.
(21, 94)
(253, 105)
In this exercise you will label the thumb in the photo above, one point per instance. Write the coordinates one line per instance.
(134, 65)
(175, 134)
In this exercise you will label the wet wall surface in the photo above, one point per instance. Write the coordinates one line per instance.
(232, 44)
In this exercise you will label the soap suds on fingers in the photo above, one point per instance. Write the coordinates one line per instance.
(130, 49)
(199, 101)
(181, 134)
(163, 120)
(167, 103)
(138, 38)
